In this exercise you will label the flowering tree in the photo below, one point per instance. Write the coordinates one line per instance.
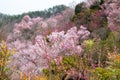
(32, 58)
(28, 28)
(48, 40)
(61, 20)
(113, 12)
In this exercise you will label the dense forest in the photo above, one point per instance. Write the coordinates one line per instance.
(6, 19)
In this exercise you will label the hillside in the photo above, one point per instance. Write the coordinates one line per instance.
(80, 44)
(7, 19)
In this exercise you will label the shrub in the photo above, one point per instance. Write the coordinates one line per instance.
(5, 53)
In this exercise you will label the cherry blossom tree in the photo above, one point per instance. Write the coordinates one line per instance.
(48, 39)
(32, 58)
(112, 8)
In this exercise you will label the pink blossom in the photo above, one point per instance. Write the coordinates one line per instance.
(33, 57)
(26, 18)
(58, 60)
(112, 10)
(83, 33)
(37, 20)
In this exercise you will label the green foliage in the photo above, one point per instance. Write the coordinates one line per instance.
(89, 44)
(68, 63)
(101, 74)
(79, 7)
(103, 32)
(45, 71)
(111, 42)
(71, 62)
(111, 71)
(101, 2)
(97, 5)
(47, 13)
(0, 22)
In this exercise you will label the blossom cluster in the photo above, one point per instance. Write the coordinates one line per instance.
(26, 23)
(28, 27)
(38, 40)
(113, 12)
(32, 58)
